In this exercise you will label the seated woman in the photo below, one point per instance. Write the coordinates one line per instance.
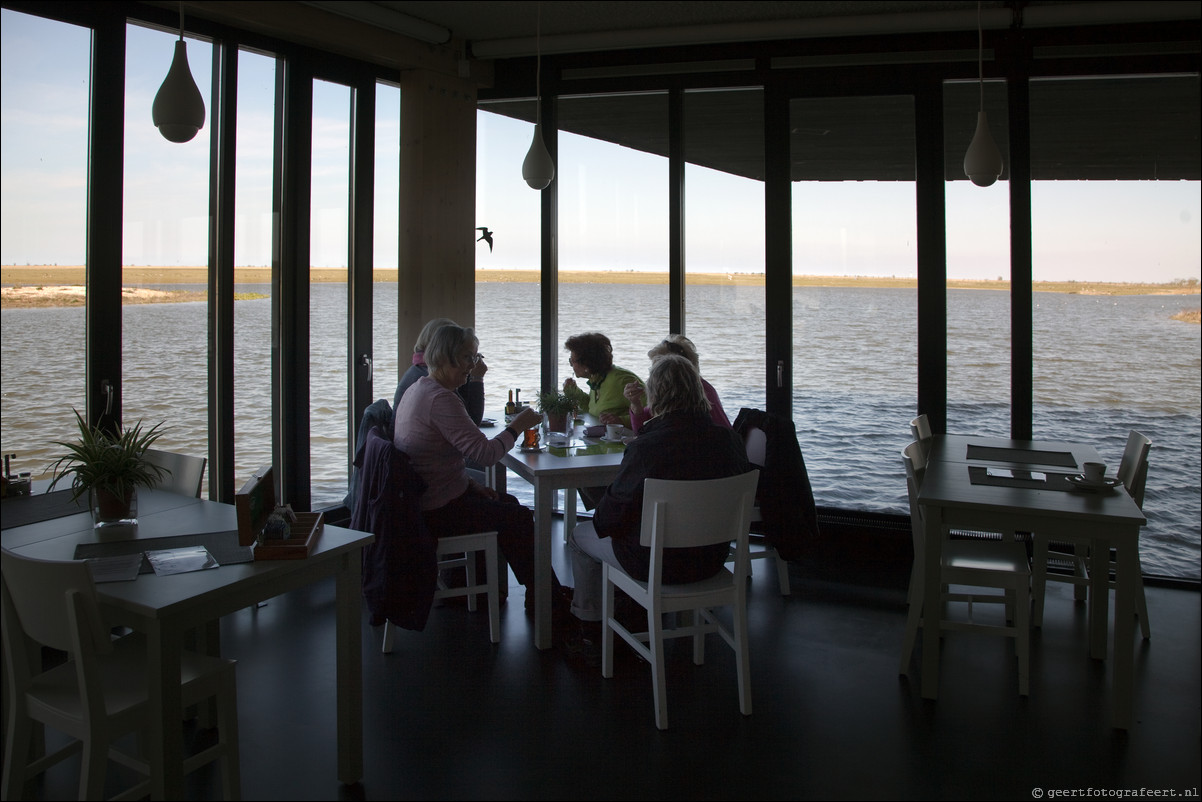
(472, 391)
(681, 346)
(680, 441)
(433, 428)
(592, 357)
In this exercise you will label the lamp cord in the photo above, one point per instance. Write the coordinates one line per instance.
(181, 20)
(538, 63)
(980, 56)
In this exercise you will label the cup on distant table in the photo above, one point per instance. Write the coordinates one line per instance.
(530, 438)
(1094, 472)
(613, 431)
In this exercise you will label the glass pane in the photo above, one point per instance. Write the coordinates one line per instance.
(724, 242)
(1116, 263)
(854, 297)
(387, 210)
(507, 292)
(978, 270)
(165, 252)
(613, 233)
(44, 86)
(329, 245)
(252, 260)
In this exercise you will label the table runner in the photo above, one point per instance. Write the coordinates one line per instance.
(1063, 459)
(23, 510)
(979, 475)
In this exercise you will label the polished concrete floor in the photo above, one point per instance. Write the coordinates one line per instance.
(450, 716)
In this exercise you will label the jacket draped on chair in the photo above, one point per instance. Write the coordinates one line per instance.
(785, 497)
(400, 569)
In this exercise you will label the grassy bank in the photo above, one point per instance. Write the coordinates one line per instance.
(44, 285)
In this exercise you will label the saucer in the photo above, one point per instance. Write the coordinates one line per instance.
(618, 441)
(1108, 482)
(534, 450)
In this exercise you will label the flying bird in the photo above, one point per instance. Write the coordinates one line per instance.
(485, 235)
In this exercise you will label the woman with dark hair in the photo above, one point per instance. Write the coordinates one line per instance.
(592, 357)
(433, 428)
(680, 441)
(679, 345)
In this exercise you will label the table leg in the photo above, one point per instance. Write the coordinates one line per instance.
(349, 643)
(543, 498)
(1124, 630)
(1099, 597)
(165, 750)
(932, 607)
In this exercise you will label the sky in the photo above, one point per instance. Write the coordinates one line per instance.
(613, 200)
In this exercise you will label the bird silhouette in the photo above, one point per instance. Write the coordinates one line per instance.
(485, 235)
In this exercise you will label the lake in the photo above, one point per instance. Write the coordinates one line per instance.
(1103, 365)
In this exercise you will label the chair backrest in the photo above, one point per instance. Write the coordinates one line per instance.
(184, 473)
(921, 428)
(697, 512)
(756, 442)
(53, 603)
(915, 459)
(1133, 468)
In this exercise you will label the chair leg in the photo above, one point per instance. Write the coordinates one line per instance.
(17, 744)
(469, 566)
(742, 658)
(92, 767)
(659, 679)
(913, 621)
(1080, 560)
(386, 645)
(494, 592)
(607, 632)
(782, 573)
(1022, 643)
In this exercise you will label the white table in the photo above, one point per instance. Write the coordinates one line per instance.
(165, 607)
(1106, 520)
(549, 471)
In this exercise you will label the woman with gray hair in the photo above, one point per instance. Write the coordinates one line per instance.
(679, 345)
(433, 428)
(472, 391)
(680, 441)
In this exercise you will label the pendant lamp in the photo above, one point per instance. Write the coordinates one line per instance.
(178, 110)
(983, 161)
(537, 168)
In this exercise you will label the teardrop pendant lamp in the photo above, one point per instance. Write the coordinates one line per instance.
(983, 161)
(537, 168)
(178, 110)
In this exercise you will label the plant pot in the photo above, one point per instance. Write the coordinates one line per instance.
(557, 423)
(109, 509)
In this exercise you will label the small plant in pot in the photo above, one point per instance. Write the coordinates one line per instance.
(109, 465)
(558, 409)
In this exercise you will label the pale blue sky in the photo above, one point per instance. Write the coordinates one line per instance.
(613, 201)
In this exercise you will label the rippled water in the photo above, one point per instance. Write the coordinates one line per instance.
(1103, 366)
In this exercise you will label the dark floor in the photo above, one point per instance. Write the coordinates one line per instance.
(450, 716)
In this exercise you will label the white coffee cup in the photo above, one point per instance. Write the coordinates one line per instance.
(1094, 471)
(613, 431)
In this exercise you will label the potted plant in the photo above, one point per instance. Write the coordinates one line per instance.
(110, 465)
(558, 409)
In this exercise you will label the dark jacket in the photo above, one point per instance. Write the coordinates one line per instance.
(678, 445)
(377, 415)
(400, 569)
(784, 495)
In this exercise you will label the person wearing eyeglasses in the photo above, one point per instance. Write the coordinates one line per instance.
(432, 426)
(472, 391)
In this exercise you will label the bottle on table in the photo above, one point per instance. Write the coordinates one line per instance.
(510, 407)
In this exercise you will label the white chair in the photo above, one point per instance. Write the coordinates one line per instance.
(758, 549)
(967, 563)
(680, 514)
(464, 548)
(100, 693)
(920, 427)
(1133, 473)
(185, 473)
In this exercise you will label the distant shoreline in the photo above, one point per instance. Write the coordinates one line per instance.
(49, 285)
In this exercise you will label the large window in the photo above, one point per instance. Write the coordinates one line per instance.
(165, 250)
(724, 243)
(854, 301)
(1108, 361)
(328, 259)
(44, 86)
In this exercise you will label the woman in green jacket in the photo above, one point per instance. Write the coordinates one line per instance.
(592, 357)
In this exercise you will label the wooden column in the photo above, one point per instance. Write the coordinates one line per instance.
(437, 271)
